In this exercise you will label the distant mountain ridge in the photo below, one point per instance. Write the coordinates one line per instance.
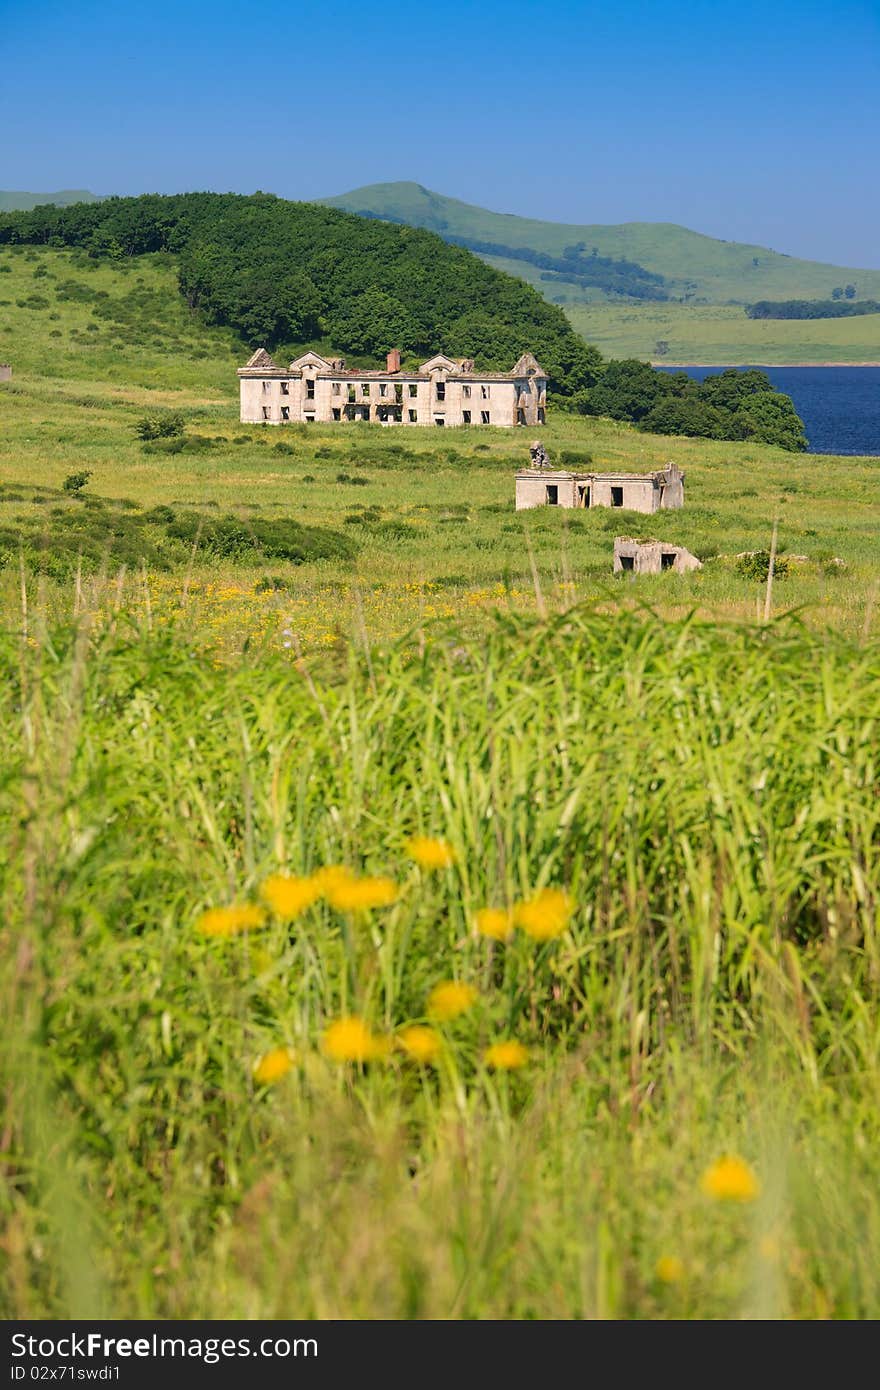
(23, 202)
(680, 264)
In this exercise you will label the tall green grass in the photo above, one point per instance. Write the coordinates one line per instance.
(708, 796)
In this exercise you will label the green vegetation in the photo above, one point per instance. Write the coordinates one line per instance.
(731, 405)
(193, 707)
(281, 273)
(811, 308)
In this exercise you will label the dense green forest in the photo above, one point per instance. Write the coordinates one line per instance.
(731, 405)
(811, 308)
(283, 274)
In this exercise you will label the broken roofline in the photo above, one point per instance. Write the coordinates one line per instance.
(564, 475)
(261, 364)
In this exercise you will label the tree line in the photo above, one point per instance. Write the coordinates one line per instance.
(729, 405)
(811, 308)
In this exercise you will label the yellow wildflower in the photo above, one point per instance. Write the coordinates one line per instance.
(494, 922)
(229, 921)
(420, 1043)
(545, 915)
(669, 1269)
(430, 854)
(449, 999)
(359, 894)
(328, 876)
(730, 1179)
(287, 896)
(506, 1056)
(273, 1065)
(351, 1040)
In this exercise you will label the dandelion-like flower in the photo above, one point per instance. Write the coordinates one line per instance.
(730, 1179)
(449, 999)
(506, 1056)
(494, 922)
(420, 1043)
(273, 1065)
(230, 921)
(351, 1040)
(360, 894)
(669, 1269)
(430, 854)
(288, 896)
(545, 915)
(331, 874)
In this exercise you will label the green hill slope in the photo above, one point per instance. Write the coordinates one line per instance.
(23, 202)
(693, 266)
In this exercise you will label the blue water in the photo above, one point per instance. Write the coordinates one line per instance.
(840, 406)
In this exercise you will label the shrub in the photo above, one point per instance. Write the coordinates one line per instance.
(755, 564)
(160, 424)
(75, 482)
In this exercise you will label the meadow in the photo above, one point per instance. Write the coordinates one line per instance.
(722, 334)
(441, 928)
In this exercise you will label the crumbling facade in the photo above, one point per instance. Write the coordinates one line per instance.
(634, 492)
(442, 391)
(652, 557)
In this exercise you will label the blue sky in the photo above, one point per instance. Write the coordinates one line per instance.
(754, 122)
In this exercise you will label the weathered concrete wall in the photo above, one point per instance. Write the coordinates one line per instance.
(5, 371)
(651, 557)
(639, 494)
(536, 489)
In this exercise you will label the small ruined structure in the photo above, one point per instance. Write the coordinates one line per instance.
(634, 492)
(442, 391)
(652, 557)
(538, 455)
(5, 371)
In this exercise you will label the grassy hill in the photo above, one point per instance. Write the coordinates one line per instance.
(692, 265)
(23, 202)
(698, 271)
(651, 1091)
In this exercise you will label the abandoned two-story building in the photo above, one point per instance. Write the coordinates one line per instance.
(441, 391)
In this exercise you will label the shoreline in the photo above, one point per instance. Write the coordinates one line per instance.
(725, 365)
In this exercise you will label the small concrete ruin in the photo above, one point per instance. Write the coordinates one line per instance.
(651, 557)
(5, 371)
(541, 486)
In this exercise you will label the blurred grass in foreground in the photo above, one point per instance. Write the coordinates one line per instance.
(706, 794)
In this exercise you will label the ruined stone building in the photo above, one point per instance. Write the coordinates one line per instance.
(634, 492)
(651, 557)
(440, 392)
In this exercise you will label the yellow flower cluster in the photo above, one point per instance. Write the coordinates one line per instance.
(273, 1065)
(230, 921)
(430, 854)
(288, 896)
(350, 1039)
(449, 999)
(506, 1056)
(420, 1043)
(730, 1179)
(543, 917)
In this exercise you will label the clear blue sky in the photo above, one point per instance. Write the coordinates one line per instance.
(756, 122)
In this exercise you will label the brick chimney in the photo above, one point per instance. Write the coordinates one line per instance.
(393, 360)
